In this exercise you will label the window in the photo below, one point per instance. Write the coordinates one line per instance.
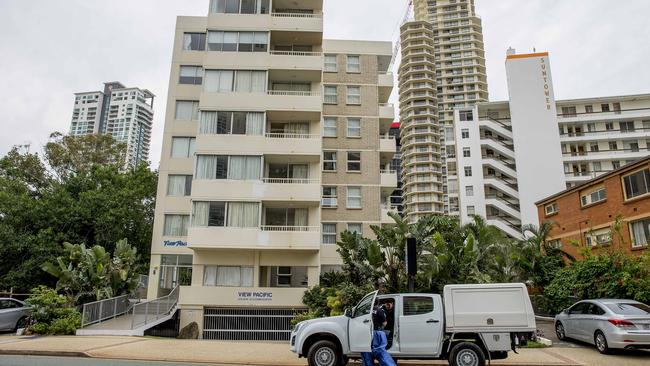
(616, 164)
(329, 233)
(593, 197)
(466, 115)
(596, 166)
(640, 232)
(330, 197)
(238, 41)
(239, 6)
(613, 145)
(589, 109)
(469, 191)
(284, 276)
(192, 75)
(230, 214)
(468, 171)
(228, 276)
(187, 110)
(194, 42)
(228, 167)
(627, 126)
(329, 161)
(354, 161)
(242, 81)
(183, 147)
(551, 209)
(637, 184)
(471, 211)
(330, 63)
(464, 133)
(9, 304)
(179, 185)
(604, 107)
(354, 197)
(609, 126)
(354, 127)
(569, 111)
(331, 95)
(629, 309)
(599, 237)
(355, 228)
(594, 147)
(417, 305)
(231, 123)
(176, 225)
(354, 65)
(466, 152)
(354, 95)
(329, 127)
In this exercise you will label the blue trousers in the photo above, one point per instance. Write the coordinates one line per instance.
(379, 343)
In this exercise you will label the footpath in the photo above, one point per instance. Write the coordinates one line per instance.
(261, 353)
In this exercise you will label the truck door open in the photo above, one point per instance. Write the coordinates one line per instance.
(420, 325)
(360, 324)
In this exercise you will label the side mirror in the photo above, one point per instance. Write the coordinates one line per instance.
(348, 312)
(565, 311)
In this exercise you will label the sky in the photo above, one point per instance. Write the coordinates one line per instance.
(51, 49)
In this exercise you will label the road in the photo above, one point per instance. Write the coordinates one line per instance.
(58, 361)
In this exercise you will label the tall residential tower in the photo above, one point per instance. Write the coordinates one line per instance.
(460, 77)
(124, 113)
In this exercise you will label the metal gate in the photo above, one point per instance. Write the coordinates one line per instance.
(248, 324)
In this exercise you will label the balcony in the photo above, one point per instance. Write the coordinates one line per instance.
(385, 84)
(276, 100)
(385, 218)
(618, 154)
(265, 237)
(388, 178)
(230, 296)
(267, 189)
(272, 60)
(277, 21)
(605, 135)
(387, 144)
(386, 115)
(269, 143)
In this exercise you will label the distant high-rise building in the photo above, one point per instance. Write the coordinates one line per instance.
(124, 113)
(460, 82)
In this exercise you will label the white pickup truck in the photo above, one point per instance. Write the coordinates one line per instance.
(472, 324)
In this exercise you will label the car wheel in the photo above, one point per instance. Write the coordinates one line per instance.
(467, 354)
(324, 353)
(601, 342)
(21, 323)
(559, 331)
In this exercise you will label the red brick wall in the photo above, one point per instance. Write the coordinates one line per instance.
(574, 221)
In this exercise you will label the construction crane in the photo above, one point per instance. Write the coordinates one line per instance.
(405, 18)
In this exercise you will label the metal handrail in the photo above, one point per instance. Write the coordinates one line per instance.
(388, 171)
(289, 228)
(290, 181)
(153, 310)
(99, 311)
(296, 15)
(295, 53)
(294, 93)
(282, 135)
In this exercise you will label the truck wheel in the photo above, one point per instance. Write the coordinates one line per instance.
(324, 353)
(467, 354)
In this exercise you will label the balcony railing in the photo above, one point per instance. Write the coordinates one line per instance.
(290, 181)
(296, 15)
(295, 53)
(628, 150)
(290, 228)
(274, 135)
(294, 93)
(388, 171)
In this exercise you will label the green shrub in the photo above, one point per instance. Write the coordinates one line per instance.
(614, 275)
(52, 313)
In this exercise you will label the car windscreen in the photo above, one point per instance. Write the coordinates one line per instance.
(626, 308)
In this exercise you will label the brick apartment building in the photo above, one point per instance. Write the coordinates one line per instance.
(586, 214)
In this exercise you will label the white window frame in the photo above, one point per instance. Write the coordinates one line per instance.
(635, 245)
(551, 209)
(599, 237)
(329, 234)
(283, 275)
(328, 96)
(349, 161)
(589, 199)
(335, 161)
(353, 68)
(330, 200)
(469, 191)
(349, 197)
(360, 227)
(353, 98)
(329, 65)
(464, 133)
(356, 130)
(329, 130)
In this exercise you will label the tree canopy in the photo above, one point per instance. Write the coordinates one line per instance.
(77, 191)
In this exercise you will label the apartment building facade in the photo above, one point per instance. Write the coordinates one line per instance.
(124, 113)
(422, 167)
(274, 144)
(610, 212)
(460, 75)
(512, 154)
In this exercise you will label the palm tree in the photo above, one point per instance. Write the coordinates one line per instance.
(541, 258)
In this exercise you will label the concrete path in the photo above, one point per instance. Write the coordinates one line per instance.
(263, 353)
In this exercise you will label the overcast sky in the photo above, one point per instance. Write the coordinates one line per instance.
(52, 49)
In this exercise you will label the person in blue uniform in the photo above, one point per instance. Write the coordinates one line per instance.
(379, 341)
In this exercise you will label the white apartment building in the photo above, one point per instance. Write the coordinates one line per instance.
(512, 154)
(274, 143)
(125, 113)
(460, 75)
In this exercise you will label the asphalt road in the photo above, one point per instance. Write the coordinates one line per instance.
(6, 360)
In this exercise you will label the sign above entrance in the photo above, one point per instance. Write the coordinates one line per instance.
(254, 296)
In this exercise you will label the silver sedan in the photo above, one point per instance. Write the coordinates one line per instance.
(606, 323)
(13, 314)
